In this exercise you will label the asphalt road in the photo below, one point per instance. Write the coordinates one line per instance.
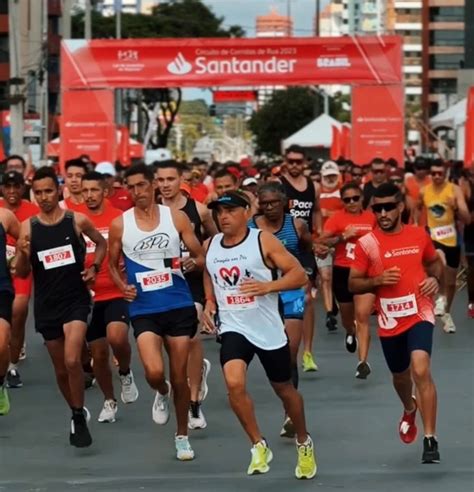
(353, 423)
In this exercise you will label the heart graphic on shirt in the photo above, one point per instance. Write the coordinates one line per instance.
(231, 276)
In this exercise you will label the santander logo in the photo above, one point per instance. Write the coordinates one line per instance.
(179, 66)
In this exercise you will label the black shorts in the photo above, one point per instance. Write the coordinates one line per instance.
(276, 363)
(6, 305)
(340, 284)
(181, 322)
(452, 253)
(397, 350)
(104, 313)
(53, 330)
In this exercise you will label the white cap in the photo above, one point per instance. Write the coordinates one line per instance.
(106, 168)
(329, 168)
(249, 181)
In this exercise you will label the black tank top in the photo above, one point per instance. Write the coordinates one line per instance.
(57, 260)
(5, 277)
(301, 203)
(406, 214)
(190, 209)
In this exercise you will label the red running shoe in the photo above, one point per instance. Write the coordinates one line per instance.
(407, 426)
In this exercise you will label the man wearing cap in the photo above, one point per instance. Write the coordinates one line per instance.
(250, 185)
(13, 191)
(242, 289)
(329, 194)
(118, 197)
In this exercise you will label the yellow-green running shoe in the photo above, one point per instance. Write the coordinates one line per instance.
(306, 466)
(261, 458)
(4, 400)
(308, 362)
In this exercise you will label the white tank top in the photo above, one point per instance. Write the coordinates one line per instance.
(256, 318)
(152, 265)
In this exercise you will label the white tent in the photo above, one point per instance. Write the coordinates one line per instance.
(318, 133)
(452, 117)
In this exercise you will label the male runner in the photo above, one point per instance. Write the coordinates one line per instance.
(109, 322)
(75, 170)
(240, 282)
(13, 191)
(444, 203)
(8, 225)
(161, 307)
(329, 195)
(118, 197)
(378, 170)
(419, 179)
(399, 264)
(51, 245)
(342, 231)
(303, 204)
(168, 177)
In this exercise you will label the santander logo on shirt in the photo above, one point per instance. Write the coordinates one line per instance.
(409, 250)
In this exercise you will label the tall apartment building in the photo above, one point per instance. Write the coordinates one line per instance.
(331, 19)
(368, 16)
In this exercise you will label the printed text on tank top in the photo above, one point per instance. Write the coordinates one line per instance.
(301, 203)
(440, 213)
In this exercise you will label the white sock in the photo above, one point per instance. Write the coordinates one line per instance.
(12, 367)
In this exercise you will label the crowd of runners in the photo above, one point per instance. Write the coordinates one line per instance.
(182, 251)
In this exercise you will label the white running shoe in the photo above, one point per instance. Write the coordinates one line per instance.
(22, 352)
(206, 369)
(129, 392)
(448, 326)
(109, 411)
(184, 451)
(161, 407)
(196, 419)
(440, 306)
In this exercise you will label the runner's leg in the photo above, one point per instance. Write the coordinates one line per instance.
(150, 350)
(74, 337)
(450, 278)
(117, 337)
(364, 305)
(56, 352)
(103, 374)
(20, 313)
(195, 362)
(294, 330)
(4, 348)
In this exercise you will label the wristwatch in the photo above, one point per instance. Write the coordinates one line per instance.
(96, 267)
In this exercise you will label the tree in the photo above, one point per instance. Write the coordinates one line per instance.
(284, 114)
(170, 19)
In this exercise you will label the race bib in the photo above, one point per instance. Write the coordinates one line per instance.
(350, 247)
(90, 245)
(155, 279)
(234, 300)
(399, 307)
(57, 257)
(443, 232)
(10, 252)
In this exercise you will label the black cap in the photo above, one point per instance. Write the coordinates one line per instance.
(230, 199)
(13, 177)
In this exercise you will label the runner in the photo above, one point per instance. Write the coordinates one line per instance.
(303, 204)
(161, 307)
(329, 203)
(396, 176)
(444, 203)
(13, 191)
(469, 240)
(378, 169)
(73, 199)
(399, 264)
(342, 231)
(8, 225)
(51, 245)
(109, 322)
(294, 235)
(17, 163)
(419, 179)
(117, 196)
(239, 282)
(168, 177)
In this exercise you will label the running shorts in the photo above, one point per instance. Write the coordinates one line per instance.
(6, 305)
(276, 363)
(54, 329)
(23, 286)
(324, 262)
(452, 254)
(181, 322)
(104, 313)
(397, 350)
(293, 303)
(340, 284)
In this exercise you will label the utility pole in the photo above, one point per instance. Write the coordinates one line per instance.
(87, 21)
(16, 82)
(44, 108)
(316, 17)
(66, 11)
(118, 34)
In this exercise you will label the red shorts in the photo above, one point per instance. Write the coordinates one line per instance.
(23, 286)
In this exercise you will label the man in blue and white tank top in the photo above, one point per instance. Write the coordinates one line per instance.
(161, 307)
(242, 284)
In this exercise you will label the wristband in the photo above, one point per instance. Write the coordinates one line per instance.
(211, 299)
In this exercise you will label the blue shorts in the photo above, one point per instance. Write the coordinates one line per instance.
(397, 350)
(293, 303)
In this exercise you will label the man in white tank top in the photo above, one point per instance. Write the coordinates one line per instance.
(241, 284)
(161, 307)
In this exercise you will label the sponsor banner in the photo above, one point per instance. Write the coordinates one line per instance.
(234, 96)
(377, 123)
(469, 130)
(87, 126)
(205, 62)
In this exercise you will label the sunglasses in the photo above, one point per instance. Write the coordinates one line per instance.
(397, 181)
(270, 203)
(295, 161)
(378, 208)
(349, 199)
(437, 173)
(379, 171)
(357, 175)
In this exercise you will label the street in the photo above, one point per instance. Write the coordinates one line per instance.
(353, 423)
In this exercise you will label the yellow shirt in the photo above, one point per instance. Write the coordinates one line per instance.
(440, 214)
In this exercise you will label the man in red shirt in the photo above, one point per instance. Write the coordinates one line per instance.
(73, 200)
(119, 197)
(342, 230)
(109, 322)
(13, 190)
(400, 265)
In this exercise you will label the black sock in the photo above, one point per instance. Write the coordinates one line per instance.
(294, 375)
(2, 380)
(77, 412)
(124, 373)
